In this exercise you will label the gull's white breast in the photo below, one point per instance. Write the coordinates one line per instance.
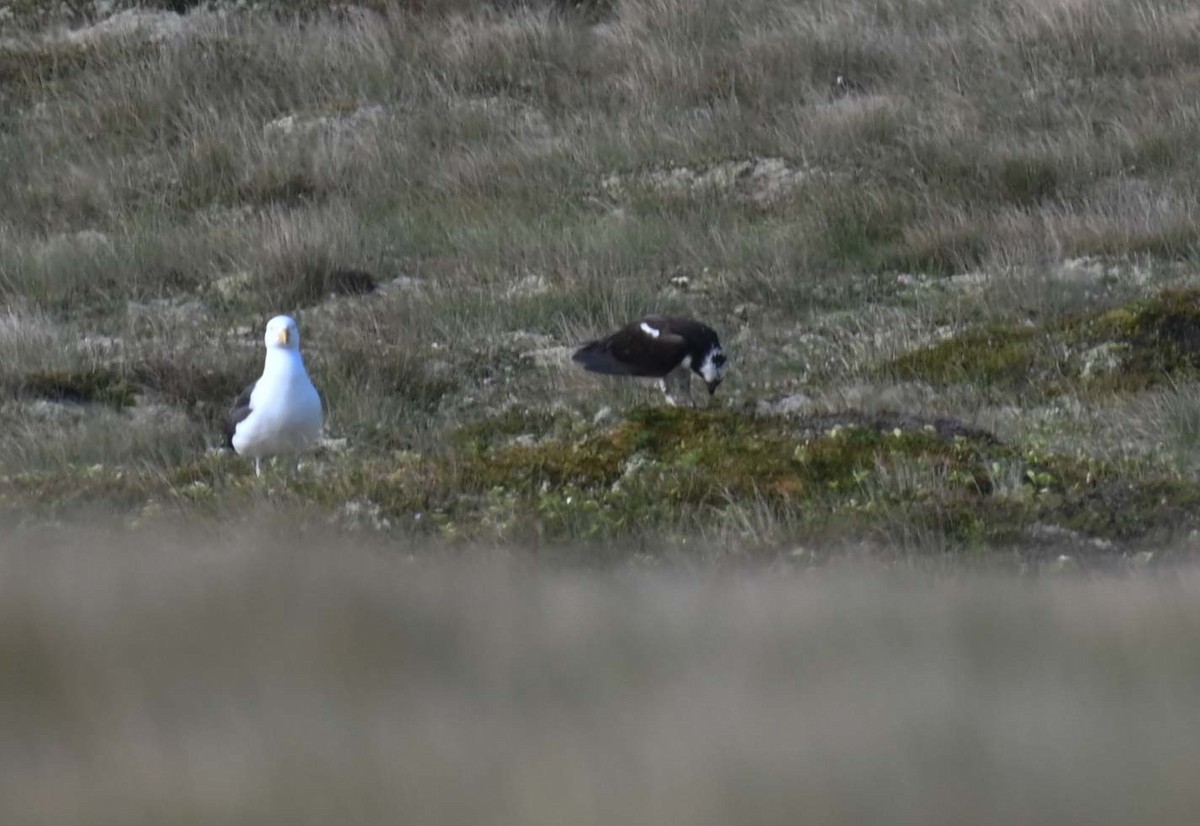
(285, 412)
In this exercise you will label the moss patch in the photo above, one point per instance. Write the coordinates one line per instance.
(723, 454)
(845, 474)
(998, 355)
(1127, 348)
(1160, 336)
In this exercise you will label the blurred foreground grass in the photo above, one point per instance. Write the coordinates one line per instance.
(257, 677)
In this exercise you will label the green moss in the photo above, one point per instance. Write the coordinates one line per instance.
(1161, 335)
(667, 468)
(1126, 348)
(711, 457)
(998, 355)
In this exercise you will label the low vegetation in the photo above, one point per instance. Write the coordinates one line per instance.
(1129, 348)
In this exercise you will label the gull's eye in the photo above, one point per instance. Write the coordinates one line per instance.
(719, 359)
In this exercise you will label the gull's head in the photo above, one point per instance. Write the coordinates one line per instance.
(712, 368)
(282, 334)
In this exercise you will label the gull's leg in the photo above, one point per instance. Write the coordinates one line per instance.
(258, 466)
(685, 378)
(678, 387)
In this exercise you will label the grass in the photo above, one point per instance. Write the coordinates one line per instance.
(247, 672)
(993, 223)
(924, 558)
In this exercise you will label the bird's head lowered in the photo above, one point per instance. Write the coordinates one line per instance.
(282, 334)
(711, 367)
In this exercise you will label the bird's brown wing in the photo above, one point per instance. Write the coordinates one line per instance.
(632, 351)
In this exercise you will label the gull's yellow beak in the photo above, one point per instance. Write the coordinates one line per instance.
(283, 336)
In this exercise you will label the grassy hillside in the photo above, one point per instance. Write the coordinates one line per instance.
(957, 286)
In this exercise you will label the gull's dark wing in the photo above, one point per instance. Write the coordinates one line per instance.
(635, 350)
(240, 410)
(698, 334)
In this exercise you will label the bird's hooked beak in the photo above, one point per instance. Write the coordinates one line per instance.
(712, 386)
(282, 337)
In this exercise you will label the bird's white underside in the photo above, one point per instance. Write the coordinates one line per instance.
(285, 412)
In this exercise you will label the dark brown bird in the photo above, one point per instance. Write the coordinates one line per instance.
(657, 347)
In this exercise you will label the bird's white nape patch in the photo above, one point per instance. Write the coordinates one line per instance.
(712, 368)
(650, 331)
